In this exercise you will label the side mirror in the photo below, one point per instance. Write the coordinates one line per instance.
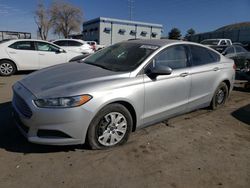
(60, 50)
(161, 70)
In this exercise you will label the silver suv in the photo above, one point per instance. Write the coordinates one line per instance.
(119, 89)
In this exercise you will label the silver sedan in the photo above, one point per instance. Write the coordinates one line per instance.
(119, 89)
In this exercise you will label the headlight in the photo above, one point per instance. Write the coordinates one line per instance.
(63, 102)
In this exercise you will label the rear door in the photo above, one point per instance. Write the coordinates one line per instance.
(23, 53)
(204, 73)
(167, 95)
(49, 55)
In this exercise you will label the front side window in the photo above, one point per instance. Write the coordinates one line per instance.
(174, 57)
(125, 56)
(23, 45)
(203, 56)
(43, 46)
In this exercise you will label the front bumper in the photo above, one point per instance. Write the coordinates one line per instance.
(65, 126)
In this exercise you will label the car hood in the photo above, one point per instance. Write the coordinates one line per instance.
(68, 79)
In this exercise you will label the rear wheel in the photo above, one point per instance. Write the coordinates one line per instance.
(7, 68)
(110, 127)
(220, 96)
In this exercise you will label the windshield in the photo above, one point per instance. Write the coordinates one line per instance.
(210, 42)
(125, 56)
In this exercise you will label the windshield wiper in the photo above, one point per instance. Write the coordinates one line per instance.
(98, 65)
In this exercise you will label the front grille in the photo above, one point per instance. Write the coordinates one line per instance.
(43, 133)
(22, 106)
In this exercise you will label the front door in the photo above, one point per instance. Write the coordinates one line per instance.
(167, 95)
(49, 55)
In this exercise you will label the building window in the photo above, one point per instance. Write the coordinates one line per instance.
(144, 33)
(107, 29)
(133, 32)
(154, 34)
(121, 31)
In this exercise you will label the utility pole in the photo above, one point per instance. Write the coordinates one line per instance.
(131, 7)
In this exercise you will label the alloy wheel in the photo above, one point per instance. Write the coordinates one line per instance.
(112, 129)
(6, 69)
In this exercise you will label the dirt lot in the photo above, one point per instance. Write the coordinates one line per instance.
(201, 149)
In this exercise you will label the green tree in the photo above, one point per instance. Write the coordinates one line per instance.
(190, 32)
(175, 33)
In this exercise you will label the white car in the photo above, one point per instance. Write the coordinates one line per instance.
(75, 45)
(29, 54)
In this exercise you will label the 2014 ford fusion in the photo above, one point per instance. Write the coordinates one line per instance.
(119, 89)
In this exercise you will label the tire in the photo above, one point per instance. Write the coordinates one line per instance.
(7, 68)
(220, 96)
(104, 132)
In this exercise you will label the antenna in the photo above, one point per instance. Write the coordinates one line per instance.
(131, 7)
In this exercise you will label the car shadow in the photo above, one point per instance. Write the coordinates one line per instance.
(12, 140)
(241, 89)
(24, 72)
(243, 114)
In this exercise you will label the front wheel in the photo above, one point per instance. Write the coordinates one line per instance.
(220, 96)
(110, 127)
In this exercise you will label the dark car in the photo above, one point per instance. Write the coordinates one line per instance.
(241, 58)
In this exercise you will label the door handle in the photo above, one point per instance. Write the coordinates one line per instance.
(216, 69)
(184, 74)
(12, 52)
(41, 54)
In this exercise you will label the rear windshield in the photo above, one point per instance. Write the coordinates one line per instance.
(125, 56)
(210, 42)
(5, 40)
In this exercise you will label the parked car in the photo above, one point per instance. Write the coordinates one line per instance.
(218, 44)
(95, 46)
(29, 54)
(119, 89)
(75, 45)
(241, 58)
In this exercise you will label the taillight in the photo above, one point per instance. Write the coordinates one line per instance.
(234, 66)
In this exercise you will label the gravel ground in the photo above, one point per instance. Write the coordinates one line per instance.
(200, 149)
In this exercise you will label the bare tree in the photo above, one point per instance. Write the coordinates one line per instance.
(66, 18)
(43, 20)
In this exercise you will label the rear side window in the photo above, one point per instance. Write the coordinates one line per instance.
(61, 43)
(203, 56)
(74, 43)
(23, 45)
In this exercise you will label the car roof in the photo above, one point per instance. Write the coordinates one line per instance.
(216, 39)
(78, 40)
(156, 42)
(38, 40)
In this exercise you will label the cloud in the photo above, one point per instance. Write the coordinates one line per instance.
(6, 9)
